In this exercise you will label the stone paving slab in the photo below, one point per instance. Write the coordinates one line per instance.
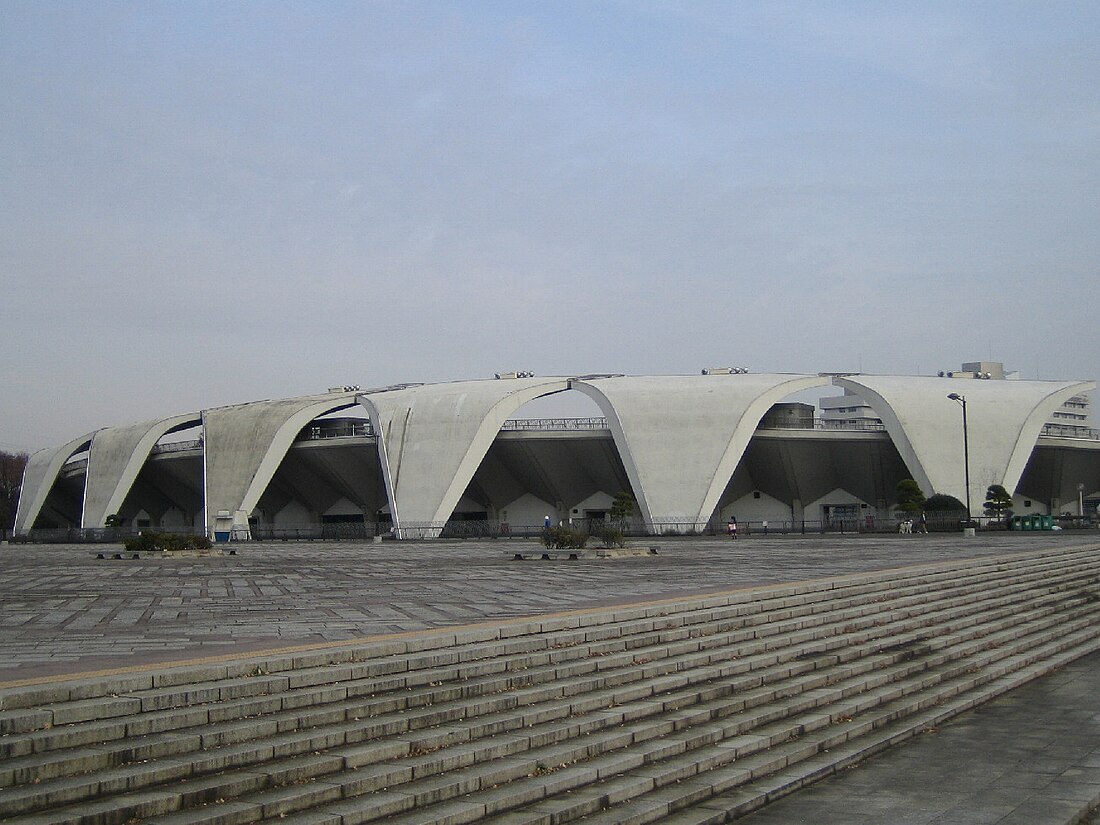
(62, 611)
(1031, 756)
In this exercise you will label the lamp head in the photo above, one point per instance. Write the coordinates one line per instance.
(954, 396)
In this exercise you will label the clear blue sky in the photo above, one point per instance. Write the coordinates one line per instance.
(208, 203)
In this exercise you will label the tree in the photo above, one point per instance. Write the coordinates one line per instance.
(910, 496)
(941, 502)
(622, 507)
(11, 479)
(998, 501)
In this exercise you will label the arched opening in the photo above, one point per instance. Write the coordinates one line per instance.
(554, 459)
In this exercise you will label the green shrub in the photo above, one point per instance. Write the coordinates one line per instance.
(939, 502)
(149, 542)
(564, 538)
(143, 543)
(611, 537)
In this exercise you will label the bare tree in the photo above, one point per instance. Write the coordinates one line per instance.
(11, 479)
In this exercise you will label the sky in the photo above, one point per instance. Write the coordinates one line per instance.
(208, 203)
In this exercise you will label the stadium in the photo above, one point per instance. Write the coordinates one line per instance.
(457, 458)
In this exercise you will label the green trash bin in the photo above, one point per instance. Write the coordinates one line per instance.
(1046, 522)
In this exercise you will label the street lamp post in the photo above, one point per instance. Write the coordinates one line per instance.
(966, 452)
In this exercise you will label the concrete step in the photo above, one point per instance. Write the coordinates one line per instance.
(396, 655)
(285, 802)
(750, 796)
(37, 768)
(742, 772)
(887, 632)
(153, 721)
(167, 694)
(571, 780)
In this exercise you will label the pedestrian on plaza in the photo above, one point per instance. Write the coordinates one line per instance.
(731, 528)
(922, 523)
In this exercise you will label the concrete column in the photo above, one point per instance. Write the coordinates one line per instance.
(1004, 422)
(39, 476)
(681, 437)
(114, 461)
(432, 438)
(244, 446)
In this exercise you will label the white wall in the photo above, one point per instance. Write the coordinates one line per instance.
(840, 496)
(294, 514)
(343, 507)
(1021, 509)
(468, 505)
(527, 510)
(597, 501)
(748, 508)
(173, 519)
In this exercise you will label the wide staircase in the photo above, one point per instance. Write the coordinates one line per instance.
(687, 711)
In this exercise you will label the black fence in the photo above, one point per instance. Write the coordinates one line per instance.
(92, 535)
(489, 529)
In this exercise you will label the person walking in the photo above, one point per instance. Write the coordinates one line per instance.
(731, 528)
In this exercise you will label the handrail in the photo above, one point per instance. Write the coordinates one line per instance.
(519, 424)
(1069, 431)
(363, 429)
(177, 446)
(345, 429)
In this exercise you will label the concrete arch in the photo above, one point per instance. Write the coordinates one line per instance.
(681, 437)
(39, 476)
(1005, 419)
(244, 444)
(431, 439)
(115, 459)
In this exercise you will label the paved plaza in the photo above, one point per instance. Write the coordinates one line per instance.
(1031, 756)
(64, 611)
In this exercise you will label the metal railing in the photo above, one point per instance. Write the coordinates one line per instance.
(518, 424)
(93, 535)
(491, 529)
(177, 446)
(343, 429)
(364, 429)
(342, 531)
(1069, 431)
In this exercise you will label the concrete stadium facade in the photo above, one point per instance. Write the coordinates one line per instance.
(692, 450)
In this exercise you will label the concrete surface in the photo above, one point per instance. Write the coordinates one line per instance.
(1031, 757)
(64, 611)
(434, 437)
(1004, 422)
(115, 458)
(682, 436)
(245, 444)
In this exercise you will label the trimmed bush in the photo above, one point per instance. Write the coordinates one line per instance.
(564, 538)
(149, 542)
(611, 537)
